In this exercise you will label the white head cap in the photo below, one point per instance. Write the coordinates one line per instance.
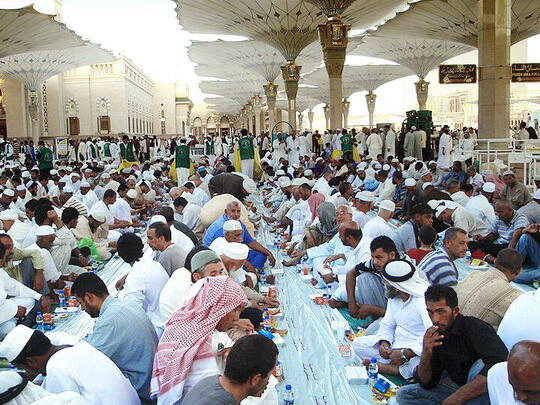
(9, 192)
(236, 251)
(387, 205)
(249, 185)
(99, 215)
(15, 341)
(131, 194)
(232, 225)
(426, 185)
(85, 184)
(21, 187)
(308, 172)
(488, 187)
(361, 166)
(157, 218)
(297, 182)
(413, 128)
(45, 230)
(536, 195)
(366, 196)
(410, 182)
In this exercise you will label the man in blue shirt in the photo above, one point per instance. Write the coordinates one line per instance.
(257, 253)
(122, 330)
(457, 174)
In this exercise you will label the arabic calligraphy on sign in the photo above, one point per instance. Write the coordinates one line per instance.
(452, 74)
(526, 72)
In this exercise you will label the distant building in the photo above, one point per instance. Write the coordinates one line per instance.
(101, 99)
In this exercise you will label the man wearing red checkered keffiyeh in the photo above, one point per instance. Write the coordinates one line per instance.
(188, 335)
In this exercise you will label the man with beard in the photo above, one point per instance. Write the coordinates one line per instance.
(458, 351)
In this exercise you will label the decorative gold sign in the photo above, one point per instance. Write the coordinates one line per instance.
(525, 72)
(454, 74)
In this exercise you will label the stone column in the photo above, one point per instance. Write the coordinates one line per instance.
(33, 111)
(291, 76)
(422, 90)
(334, 39)
(311, 116)
(270, 91)
(301, 122)
(346, 107)
(371, 99)
(257, 108)
(326, 110)
(494, 40)
(188, 120)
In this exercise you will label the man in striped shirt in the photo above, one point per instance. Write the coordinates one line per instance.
(504, 232)
(439, 266)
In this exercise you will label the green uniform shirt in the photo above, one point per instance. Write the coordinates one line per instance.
(45, 159)
(246, 148)
(181, 154)
(127, 152)
(209, 147)
(107, 149)
(346, 143)
(93, 151)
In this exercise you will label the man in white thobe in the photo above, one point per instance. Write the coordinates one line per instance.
(401, 332)
(293, 148)
(69, 366)
(378, 226)
(389, 142)
(374, 145)
(145, 278)
(420, 139)
(445, 150)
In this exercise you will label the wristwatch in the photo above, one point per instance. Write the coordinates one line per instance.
(404, 358)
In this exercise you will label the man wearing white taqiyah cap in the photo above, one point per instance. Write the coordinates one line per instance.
(6, 198)
(121, 209)
(78, 368)
(362, 204)
(15, 389)
(232, 232)
(378, 226)
(89, 197)
(45, 238)
(481, 205)
(453, 214)
(399, 340)
(234, 257)
(91, 227)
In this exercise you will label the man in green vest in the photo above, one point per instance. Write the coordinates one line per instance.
(347, 145)
(107, 149)
(182, 161)
(247, 153)
(209, 148)
(126, 149)
(45, 158)
(92, 150)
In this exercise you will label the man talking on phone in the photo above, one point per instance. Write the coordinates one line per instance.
(457, 353)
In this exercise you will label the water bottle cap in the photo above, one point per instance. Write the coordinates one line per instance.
(373, 360)
(39, 313)
(266, 309)
(288, 387)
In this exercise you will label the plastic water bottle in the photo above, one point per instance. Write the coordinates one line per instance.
(329, 290)
(62, 300)
(263, 277)
(266, 318)
(373, 372)
(39, 321)
(468, 257)
(94, 268)
(288, 398)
